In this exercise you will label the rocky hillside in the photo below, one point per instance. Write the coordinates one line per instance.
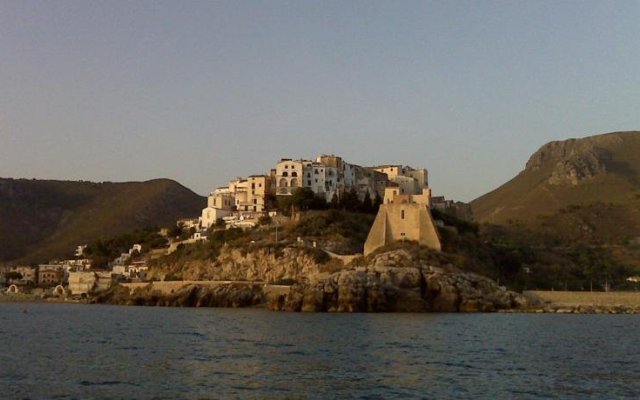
(578, 189)
(399, 280)
(44, 219)
(404, 277)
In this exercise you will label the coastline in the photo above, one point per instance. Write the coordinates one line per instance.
(557, 302)
(567, 302)
(34, 298)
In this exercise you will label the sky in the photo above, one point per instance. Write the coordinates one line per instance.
(201, 92)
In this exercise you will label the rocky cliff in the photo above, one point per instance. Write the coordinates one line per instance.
(267, 264)
(397, 280)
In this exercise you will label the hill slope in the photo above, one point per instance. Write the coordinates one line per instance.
(585, 189)
(42, 219)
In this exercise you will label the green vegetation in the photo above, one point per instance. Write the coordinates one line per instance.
(571, 218)
(334, 229)
(12, 276)
(345, 231)
(101, 252)
(303, 199)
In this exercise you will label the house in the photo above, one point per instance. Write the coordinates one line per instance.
(410, 180)
(289, 175)
(50, 274)
(80, 250)
(135, 270)
(457, 209)
(243, 197)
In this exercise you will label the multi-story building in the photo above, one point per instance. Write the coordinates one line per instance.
(289, 175)
(50, 274)
(327, 176)
(243, 196)
(250, 194)
(410, 180)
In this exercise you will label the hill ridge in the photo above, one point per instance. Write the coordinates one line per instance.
(43, 219)
(570, 181)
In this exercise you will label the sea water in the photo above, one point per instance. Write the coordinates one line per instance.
(66, 351)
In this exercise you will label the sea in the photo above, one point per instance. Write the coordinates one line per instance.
(73, 351)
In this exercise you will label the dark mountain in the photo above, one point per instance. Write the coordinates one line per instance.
(584, 190)
(44, 219)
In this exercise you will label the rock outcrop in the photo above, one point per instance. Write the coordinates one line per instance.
(398, 281)
(262, 264)
(573, 161)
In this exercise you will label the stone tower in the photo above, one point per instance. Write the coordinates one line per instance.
(403, 217)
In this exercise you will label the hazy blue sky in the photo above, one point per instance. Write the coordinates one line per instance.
(204, 91)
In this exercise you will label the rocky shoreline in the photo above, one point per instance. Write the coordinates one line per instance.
(398, 280)
(394, 281)
(314, 299)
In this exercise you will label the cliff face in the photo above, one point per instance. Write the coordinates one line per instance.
(264, 265)
(396, 280)
(573, 161)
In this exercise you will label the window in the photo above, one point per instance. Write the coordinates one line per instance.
(253, 186)
(308, 175)
(286, 167)
(294, 173)
(309, 183)
(255, 201)
(315, 171)
(285, 173)
(294, 183)
(402, 215)
(283, 183)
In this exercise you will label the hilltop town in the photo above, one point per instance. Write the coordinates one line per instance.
(400, 197)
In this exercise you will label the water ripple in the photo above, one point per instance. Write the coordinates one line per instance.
(103, 352)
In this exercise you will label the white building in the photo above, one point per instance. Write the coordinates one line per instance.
(243, 197)
(289, 175)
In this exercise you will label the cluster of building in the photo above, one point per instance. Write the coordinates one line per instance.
(244, 200)
(76, 275)
(404, 214)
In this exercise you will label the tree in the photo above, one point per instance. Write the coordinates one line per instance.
(335, 200)
(303, 199)
(367, 205)
(175, 230)
(12, 276)
(377, 202)
(350, 201)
